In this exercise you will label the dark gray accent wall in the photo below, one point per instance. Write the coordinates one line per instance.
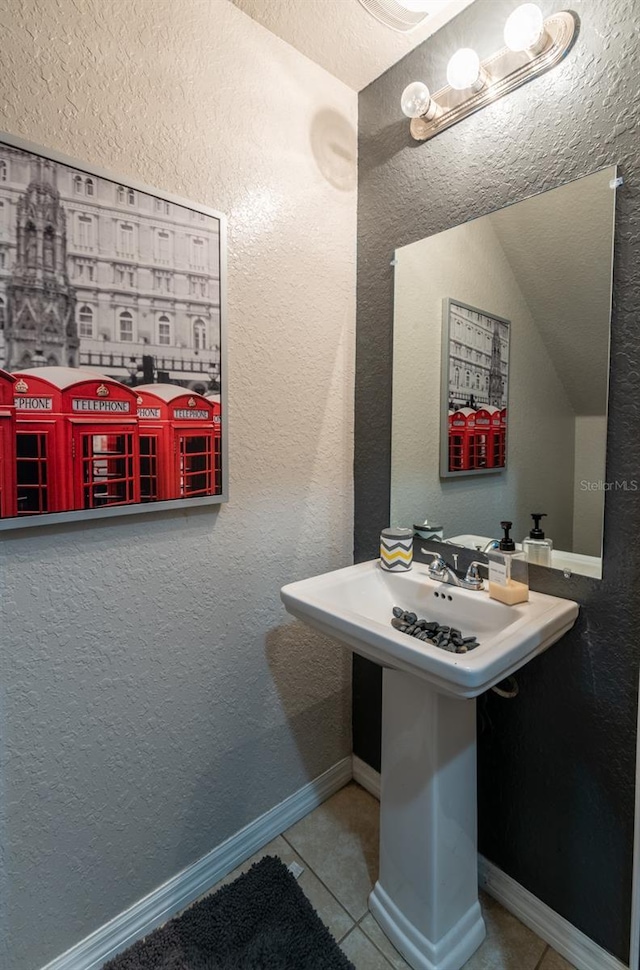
(557, 765)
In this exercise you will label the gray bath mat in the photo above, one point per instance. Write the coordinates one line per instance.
(261, 921)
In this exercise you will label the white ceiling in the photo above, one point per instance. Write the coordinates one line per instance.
(342, 36)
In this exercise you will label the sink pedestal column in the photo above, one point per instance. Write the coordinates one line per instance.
(426, 896)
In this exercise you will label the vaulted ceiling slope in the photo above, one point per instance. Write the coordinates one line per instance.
(342, 36)
(554, 242)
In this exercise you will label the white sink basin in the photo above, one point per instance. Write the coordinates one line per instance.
(426, 895)
(355, 605)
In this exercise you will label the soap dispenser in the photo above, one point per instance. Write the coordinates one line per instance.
(506, 543)
(508, 571)
(537, 548)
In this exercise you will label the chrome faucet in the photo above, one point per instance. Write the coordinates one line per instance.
(491, 544)
(443, 573)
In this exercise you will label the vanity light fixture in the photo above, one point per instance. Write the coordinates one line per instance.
(533, 45)
(417, 102)
(465, 72)
(524, 29)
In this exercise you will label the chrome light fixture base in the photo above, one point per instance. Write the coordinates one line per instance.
(506, 71)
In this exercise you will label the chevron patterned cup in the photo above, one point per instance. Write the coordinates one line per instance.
(396, 549)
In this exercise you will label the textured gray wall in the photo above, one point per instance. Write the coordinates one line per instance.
(154, 695)
(556, 767)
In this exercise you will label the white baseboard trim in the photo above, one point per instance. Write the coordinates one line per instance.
(182, 889)
(366, 776)
(569, 941)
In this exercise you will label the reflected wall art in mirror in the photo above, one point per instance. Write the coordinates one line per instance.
(474, 388)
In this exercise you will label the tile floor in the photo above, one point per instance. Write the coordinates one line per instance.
(337, 845)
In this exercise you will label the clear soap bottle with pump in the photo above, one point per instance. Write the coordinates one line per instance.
(537, 548)
(508, 571)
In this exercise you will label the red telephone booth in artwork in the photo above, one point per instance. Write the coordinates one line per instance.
(495, 438)
(8, 494)
(217, 438)
(482, 429)
(179, 443)
(499, 430)
(485, 439)
(462, 444)
(457, 425)
(76, 440)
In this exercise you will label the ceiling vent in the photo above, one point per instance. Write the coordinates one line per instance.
(397, 14)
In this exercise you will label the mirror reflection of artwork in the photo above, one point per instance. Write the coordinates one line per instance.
(475, 379)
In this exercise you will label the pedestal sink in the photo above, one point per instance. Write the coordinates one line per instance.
(426, 896)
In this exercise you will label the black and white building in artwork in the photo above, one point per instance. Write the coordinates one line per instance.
(478, 358)
(98, 275)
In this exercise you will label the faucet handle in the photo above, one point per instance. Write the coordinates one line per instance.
(473, 576)
(437, 564)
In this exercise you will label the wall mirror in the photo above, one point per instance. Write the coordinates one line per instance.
(544, 265)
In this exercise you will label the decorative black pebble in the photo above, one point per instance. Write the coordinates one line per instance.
(428, 631)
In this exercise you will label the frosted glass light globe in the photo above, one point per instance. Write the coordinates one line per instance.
(524, 28)
(463, 70)
(415, 100)
(416, 6)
